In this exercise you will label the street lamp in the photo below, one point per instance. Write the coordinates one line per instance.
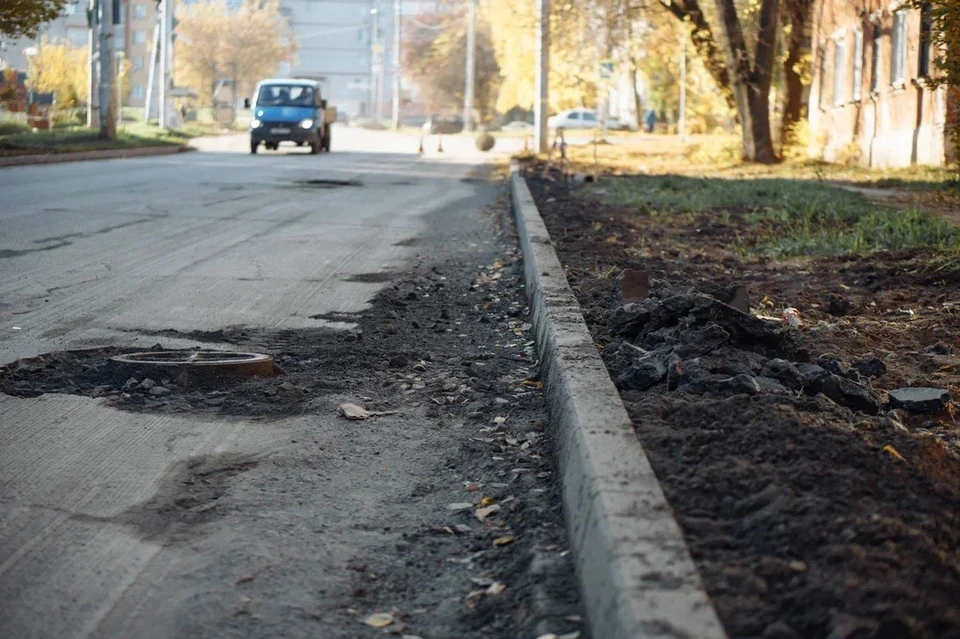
(30, 53)
(119, 56)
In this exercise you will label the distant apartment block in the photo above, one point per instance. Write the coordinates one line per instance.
(869, 93)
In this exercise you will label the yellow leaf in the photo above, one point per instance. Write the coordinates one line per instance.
(487, 501)
(893, 452)
(532, 384)
(504, 541)
(379, 620)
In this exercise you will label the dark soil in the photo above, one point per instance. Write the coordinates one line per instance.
(409, 351)
(811, 508)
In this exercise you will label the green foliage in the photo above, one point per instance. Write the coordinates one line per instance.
(793, 217)
(83, 139)
(22, 18)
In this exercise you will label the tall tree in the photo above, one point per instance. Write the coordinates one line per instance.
(751, 76)
(217, 41)
(20, 18)
(796, 66)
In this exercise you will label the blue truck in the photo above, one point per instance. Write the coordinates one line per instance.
(290, 110)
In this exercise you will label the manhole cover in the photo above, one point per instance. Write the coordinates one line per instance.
(327, 184)
(188, 364)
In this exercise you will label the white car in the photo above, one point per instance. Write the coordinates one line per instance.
(574, 119)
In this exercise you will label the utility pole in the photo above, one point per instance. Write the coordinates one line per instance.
(108, 122)
(471, 65)
(682, 119)
(152, 72)
(164, 61)
(542, 98)
(92, 36)
(374, 46)
(395, 115)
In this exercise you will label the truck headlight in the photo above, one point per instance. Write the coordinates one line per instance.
(306, 124)
(255, 123)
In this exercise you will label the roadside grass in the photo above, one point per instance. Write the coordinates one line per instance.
(786, 218)
(21, 141)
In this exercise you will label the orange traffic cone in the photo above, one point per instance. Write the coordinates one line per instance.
(420, 149)
(439, 144)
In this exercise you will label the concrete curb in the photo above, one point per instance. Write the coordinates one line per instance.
(79, 156)
(636, 576)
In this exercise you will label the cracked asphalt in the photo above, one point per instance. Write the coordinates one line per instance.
(375, 277)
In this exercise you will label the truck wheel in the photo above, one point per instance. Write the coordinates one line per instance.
(314, 147)
(253, 146)
(326, 138)
(300, 143)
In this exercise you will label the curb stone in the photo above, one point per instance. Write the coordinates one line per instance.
(78, 156)
(636, 576)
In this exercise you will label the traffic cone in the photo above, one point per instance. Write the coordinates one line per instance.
(526, 144)
(439, 144)
(420, 149)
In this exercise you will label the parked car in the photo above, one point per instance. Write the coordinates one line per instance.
(574, 119)
(517, 125)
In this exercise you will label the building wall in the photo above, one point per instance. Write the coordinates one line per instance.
(858, 103)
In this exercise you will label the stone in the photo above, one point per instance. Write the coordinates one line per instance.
(702, 341)
(919, 399)
(634, 285)
(870, 367)
(812, 374)
(771, 385)
(783, 372)
(646, 372)
(159, 391)
(287, 387)
(779, 630)
(849, 394)
(398, 361)
(838, 306)
(147, 384)
(831, 365)
(130, 383)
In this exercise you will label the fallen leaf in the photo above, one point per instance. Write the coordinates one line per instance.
(496, 588)
(245, 599)
(483, 513)
(893, 452)
(379, 620)
(504, 541)
(487, 501)
(471, 486)
(532, 384)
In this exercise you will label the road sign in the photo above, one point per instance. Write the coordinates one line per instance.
(607, 69)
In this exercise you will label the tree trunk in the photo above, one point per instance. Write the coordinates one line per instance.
(637, 101)
(798, 14)
(706, 45)
(751, 81)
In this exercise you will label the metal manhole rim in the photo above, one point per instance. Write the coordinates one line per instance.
(195, 359)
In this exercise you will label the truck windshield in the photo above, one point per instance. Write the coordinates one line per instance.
(285, 95)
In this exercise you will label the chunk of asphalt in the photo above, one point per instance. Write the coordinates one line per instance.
(919, 399)
(636, 576)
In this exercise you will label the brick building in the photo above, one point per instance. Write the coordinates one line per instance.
(868, 96)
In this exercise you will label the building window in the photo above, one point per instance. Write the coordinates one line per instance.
(839, 70)
(137, 62)
(136, 92)
(76, 36)
(898, 54)
(139, 12)
(857, 64)
(822, 99)
(923, 68)
(139, 37)
(122, 17)
(875, 59)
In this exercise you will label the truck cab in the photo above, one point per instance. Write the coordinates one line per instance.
(289, 110)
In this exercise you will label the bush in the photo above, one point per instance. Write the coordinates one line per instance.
(722, 150)
(13, 128)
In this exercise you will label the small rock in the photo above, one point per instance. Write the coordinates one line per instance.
(444, 315)
(420, 368)
(634, 285)
(398, 361)
(939, 349)
(130, 383)
(350, 337)
(812, 374)
(771, 385)
(870, 367)
(499, 401)
(831, 365)
(411, 296)
(159, 391)
(784, 372)
(147, 384)
(848, 393)
(642, 374)
(838, 306)
(287, 387)
(919, 399)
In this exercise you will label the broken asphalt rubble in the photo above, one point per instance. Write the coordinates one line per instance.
(699, 344)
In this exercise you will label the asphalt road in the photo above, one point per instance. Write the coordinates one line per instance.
(120, 252)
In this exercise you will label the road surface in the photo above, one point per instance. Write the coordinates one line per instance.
(119, 523)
